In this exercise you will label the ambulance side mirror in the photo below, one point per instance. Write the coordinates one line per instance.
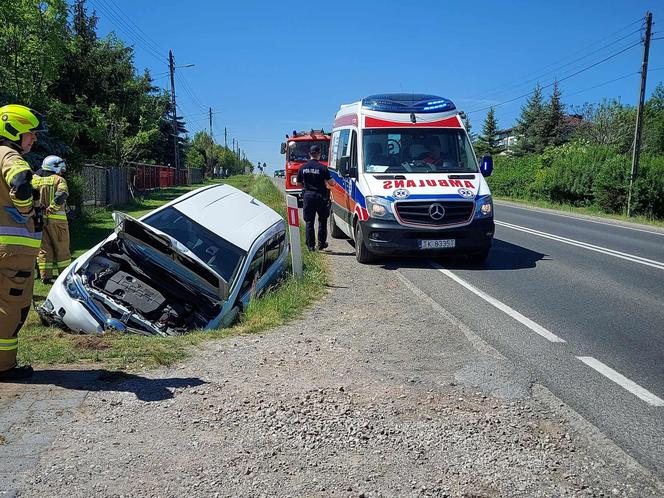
(283, 147)
(486, 165)
(344, 166)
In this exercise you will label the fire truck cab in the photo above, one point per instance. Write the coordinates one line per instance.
(296, 149)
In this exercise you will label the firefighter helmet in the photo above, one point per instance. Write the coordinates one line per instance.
(15, 120)
(55, 164)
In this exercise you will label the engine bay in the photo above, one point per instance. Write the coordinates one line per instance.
(145, 295)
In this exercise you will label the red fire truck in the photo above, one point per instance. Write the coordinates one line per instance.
(296, 149)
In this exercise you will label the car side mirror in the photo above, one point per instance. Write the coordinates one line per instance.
(486, 165)
(283, 147)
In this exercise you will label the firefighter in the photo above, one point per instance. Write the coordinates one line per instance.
(20, 233)
(314, 177)
(53, 192)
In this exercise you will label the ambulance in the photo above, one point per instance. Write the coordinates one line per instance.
(407, 180)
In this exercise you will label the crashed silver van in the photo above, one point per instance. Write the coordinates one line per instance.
(194, 263)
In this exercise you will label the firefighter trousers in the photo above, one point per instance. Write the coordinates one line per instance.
(54, 253)
(16, 280)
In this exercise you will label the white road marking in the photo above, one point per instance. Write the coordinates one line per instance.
(622, 381)
(604, 250)
(535, 327)
(544, 211)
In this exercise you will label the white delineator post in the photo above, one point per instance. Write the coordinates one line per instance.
(294, 231)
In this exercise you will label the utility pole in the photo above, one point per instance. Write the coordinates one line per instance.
(176, 155)
(639, 112)
(225, 137)
(210, 121)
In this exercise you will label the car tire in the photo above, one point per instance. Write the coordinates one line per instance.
(335, 231)
(362, 253)
(479, 257)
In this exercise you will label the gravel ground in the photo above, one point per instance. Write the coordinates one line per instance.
(376, 392)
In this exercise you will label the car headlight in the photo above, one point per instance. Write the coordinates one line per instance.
(484, 207)
(71, 286)
(293, 179)
(379, 207)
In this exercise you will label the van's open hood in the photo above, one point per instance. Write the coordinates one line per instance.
(129, 228)
(421, 185)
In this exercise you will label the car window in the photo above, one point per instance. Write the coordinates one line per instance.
(254, 272)
(219, 254)
(273, 249)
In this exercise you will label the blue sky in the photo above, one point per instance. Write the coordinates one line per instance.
(267, 68)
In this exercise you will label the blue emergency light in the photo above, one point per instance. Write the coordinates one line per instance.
(407, 103)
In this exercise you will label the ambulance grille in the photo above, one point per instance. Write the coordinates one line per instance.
(418, 212)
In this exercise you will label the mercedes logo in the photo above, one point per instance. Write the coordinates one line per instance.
(436, 211)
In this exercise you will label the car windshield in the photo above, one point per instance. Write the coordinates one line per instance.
(299, 151)
(219, 254)
(417, 150)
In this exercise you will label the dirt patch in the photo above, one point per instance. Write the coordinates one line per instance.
(91, 343)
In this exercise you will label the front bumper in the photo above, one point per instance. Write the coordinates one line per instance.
(390, 237)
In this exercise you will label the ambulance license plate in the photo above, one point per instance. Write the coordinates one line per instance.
(437, 244)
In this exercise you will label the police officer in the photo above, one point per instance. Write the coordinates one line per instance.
(19, 237)
(53, 193)
(315, 180)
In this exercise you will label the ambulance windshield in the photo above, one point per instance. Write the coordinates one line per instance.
(299, 151)
(417, 150)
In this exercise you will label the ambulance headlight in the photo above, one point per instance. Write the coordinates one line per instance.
(484, 207)
(379, 207)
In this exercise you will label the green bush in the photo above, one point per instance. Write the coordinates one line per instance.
(648, 192)
(514, 176)
(76, 185)
(611, 185)
(582, 175)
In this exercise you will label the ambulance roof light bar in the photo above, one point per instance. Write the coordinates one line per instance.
(407, 103)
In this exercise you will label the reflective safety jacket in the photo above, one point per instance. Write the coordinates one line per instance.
(17, 226)
(53, 193)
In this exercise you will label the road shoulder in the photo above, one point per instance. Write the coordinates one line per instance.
(374, 392)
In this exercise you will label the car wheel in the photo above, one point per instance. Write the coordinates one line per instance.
(362, 254)
(335, 231)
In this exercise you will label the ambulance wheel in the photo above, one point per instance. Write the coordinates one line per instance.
(362, 254)
(335, 231)
(479, 257)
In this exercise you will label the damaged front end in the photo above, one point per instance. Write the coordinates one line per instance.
(137, 282)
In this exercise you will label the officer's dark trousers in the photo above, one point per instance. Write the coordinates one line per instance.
(316, 204)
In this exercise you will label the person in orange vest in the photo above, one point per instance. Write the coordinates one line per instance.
(53, 192)
(20, 233)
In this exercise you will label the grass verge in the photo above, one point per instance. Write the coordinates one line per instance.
(589, 211)
(46, 345)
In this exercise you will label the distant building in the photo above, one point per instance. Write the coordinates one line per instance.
(506, 140)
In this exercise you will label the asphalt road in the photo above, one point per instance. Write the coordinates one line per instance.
(578, 304)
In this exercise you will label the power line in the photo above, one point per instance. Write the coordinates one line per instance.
(523, 83)
(187, 89)
(559, 80)
(150, 41)
(603, 84)
(119, 23)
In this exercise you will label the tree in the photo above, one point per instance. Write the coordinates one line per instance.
(653, 129)
(556, 129)
(531, 125)
(487, 142)
(608, 123)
